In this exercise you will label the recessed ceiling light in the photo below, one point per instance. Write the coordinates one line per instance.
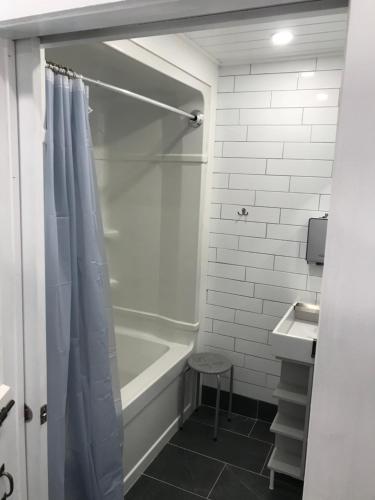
(282, 37)
(308, 74)
(322, 97)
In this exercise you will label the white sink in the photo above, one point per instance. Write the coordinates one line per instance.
(295, 336)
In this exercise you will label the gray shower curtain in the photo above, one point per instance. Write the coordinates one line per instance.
(84, 434)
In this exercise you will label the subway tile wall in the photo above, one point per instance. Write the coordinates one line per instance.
(275, 144)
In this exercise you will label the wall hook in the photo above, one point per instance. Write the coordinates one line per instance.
(243, 212)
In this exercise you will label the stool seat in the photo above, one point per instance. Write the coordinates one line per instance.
(210, 363)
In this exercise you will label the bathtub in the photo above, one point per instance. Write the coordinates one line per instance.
(150, 367)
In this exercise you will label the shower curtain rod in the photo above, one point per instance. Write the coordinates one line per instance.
(195, 117)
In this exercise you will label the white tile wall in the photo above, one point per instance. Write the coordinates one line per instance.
(296, 133)
(227, 117)
(276, 129)
(254, 149)
(241, 165)
(319, 168)
(271, 116)
(243, 100)
(319, 80)
(323, 133)
(225, 84)
(240, 69)
(286, 81)
(284, 66)
(320, 116)
(231, 133)
(305, 98)
(309, 151)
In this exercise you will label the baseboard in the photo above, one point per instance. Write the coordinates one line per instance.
(132, 477)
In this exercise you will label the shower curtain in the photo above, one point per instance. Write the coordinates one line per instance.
(84, 430)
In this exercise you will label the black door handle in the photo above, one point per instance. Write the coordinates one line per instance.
(4, 411)
(3, 473)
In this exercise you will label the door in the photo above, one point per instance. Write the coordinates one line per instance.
(12, 425)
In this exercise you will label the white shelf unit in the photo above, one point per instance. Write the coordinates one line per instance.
(286, 463)
(292, 420)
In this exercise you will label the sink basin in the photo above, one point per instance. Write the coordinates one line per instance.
(295, 336)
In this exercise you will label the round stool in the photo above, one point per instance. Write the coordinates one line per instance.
(210, 364)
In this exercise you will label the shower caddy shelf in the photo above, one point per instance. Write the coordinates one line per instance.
(294, 343)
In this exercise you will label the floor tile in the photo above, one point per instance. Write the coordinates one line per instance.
(266, 471)
(266, 411)
(261, 430)
(185, 469)
(147, 488)
(237, 484)
(230, 448)
(238, 423)
(241, 405)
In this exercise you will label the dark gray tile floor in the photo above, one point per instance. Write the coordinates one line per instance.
(193, 466)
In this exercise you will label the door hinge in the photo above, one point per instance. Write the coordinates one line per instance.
(28, 414)
(43, 414)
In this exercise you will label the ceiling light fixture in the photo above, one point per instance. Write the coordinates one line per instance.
(322, 97)
(282, 37)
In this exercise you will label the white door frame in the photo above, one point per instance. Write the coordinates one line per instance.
(30, 93)
(12, 433)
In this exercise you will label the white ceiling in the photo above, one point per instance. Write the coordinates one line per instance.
(250, 42)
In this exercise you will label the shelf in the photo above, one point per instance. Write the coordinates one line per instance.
(291, 393)
(288, 426)
(286, 463)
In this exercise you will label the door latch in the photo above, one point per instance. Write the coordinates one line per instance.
(3, 473)
(43, 414)
(5, 411)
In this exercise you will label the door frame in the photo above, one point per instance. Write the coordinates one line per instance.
(12, 433)
(30, 94)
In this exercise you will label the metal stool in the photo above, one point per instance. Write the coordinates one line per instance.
(210, 364)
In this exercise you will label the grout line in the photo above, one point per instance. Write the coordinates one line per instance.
(217, 460)
(251, 430)
(267, 458)
(172, 485)
(197, 453)
(234, 432)
(221, 428)
(217, 480)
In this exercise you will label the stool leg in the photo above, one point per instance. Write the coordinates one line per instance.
(230, 395)
(217, 409)
(197, 391)
(182, 402)
(272, 479)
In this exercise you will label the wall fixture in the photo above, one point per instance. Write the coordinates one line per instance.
(243, 212)
(282, 37)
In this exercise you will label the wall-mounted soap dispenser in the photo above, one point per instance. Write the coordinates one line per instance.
(316, 240)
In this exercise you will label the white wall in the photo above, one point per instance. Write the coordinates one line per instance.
(341, 449)
(275, 142)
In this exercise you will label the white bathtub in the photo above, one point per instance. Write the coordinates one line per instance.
(150, 368)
